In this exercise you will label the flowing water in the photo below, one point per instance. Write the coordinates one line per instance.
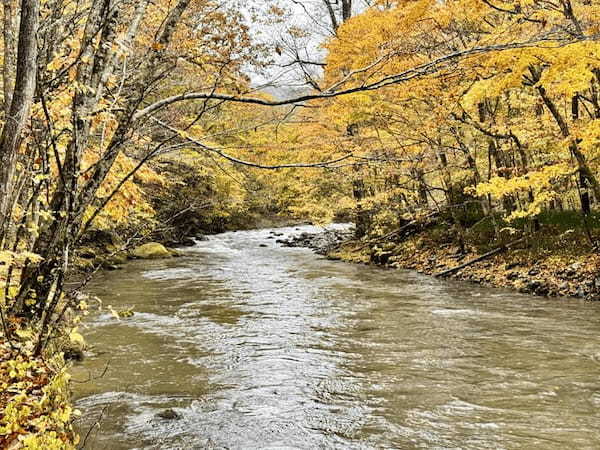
(269, 347)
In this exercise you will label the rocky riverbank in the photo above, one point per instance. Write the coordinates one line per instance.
(110, 249)
(323, 243)
(522, 267)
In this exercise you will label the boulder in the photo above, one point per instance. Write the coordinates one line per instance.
(543, 290)
(181, 242)
(536, 286)
(74, 348)
(169, 414)
(381, 257)
(73, 354)
(102, 238)
(573, 269)
(512, 276)
(151, 250)
(174, 252)
(126, 313)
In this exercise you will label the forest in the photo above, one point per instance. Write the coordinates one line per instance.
(460, 137)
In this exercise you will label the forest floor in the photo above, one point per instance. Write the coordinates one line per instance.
(556, 261)
(35, 404)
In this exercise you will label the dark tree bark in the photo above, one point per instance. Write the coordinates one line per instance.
(584, 195)
(20, 106)
(345, 13)
(584, 169)
(419, 176)
(10, 24)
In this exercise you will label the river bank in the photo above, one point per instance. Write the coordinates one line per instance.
(523, 268)
(36, 409)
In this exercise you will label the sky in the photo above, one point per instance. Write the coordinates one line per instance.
(282, 78)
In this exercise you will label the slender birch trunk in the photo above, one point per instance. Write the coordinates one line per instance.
(20, 107)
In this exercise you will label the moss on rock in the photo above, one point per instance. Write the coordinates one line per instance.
(151, 250)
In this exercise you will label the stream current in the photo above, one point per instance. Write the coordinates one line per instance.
(269, 347)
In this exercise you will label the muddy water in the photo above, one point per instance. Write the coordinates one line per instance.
(268, 347)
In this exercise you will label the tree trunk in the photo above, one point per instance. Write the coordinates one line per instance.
(10, 24)
(361, 219)
(419, 177)
(346, 10)
(20, 107)
(332, 17)
(478, 259)
(584, 194)
(501, 166)
(584, 169)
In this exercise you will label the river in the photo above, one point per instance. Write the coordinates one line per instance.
(269, 347)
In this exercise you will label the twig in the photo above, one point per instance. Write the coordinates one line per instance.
(90, 378)
(94, 425)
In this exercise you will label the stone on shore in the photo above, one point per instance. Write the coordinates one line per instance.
(321, 243)
(151, 250)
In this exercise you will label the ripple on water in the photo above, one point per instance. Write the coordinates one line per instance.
(276, 348)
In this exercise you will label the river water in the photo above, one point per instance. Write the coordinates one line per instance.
(269, 347)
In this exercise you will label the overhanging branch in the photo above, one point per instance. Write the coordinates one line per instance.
(197, 143)
(402, 77)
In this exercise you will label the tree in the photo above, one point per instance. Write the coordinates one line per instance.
(82, 73)
(20, 99)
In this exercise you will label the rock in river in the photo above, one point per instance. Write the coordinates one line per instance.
(169, 414)
(151, 250)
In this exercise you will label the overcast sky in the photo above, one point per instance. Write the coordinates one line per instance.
(288, 80)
